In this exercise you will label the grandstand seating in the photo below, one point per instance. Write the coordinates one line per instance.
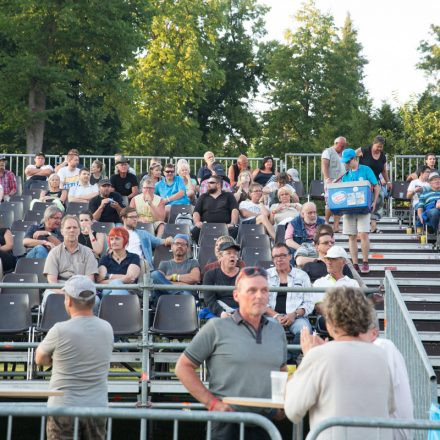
(316, 190)
(175, 210)
(74, 208)
(161, 253)
(103, 227)
(54, 311)
(415, 267)
(7, 218)
(34, 216)
(15, 314)
(146, 227)
(18, 248)
(20, 278)
(123, 312)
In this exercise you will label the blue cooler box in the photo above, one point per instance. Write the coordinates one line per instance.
(349, 197)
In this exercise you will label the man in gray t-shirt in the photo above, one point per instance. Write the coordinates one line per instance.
(240, 352)
(79, 351)
(332, 168)
(179, 270)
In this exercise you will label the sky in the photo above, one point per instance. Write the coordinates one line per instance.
(390, 32)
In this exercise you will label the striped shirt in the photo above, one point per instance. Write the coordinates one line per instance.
(428, 196)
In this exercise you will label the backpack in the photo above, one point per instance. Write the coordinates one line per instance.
(184, 218)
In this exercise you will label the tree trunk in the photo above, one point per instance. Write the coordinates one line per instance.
(35, 126)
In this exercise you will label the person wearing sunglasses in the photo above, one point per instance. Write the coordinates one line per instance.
(171, 188)
(215, 206)
(290, 309)
(240, 352)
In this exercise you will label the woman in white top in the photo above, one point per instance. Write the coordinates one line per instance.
(346, 377)
(416, 186)
(190, 183)
(286, 209)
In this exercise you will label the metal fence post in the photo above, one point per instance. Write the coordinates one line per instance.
(145, 375)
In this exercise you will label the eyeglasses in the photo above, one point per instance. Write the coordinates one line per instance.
(148, 187)
(328, 242)
(280, 256)
(169, 171)
(251, 271)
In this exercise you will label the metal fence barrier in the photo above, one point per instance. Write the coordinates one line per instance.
(197, 162)
(405, 164)
(373, 423)
(400, 329)
(138, 414)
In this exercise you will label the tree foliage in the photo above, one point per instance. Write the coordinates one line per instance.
(57, 56)
(194, 79)
(316, 90)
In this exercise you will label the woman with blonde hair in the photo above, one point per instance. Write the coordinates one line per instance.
(191, 186)
(242, 189)
(286, 209)
(53, 194)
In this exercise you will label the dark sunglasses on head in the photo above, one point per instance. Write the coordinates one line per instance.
(212, 182)
(169, 171)
(251, 271)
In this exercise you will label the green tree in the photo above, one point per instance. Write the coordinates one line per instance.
(171, 77)
(430, 61)
(54, 53)
(225, 117)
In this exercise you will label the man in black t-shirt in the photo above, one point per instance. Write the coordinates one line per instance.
(318, 268)
(107, 205)
(123, 182)
(215, 206)
(222, 303)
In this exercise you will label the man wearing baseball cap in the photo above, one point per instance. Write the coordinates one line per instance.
(335, 261)
(179, 270)
(354, 224)
(428, 208)
(79, 351)
(107, 205)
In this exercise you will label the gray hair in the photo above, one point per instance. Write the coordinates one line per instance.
(50, 212)
(340, 138)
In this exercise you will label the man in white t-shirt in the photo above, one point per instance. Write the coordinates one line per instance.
(69, 175)
(335, 261)
(332, 168)
(38, 170)
(254, 212)
(416, 186)
(84, 191)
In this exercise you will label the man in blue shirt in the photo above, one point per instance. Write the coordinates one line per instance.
(428, 208)
(171, 188)
(354, 224)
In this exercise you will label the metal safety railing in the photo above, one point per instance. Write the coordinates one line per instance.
(371, 423)
(404, 165)
(138, 414)
(308, 166)
(197, 162)
(400, 329)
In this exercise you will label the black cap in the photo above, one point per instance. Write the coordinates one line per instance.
(228, 245)
(104, 182)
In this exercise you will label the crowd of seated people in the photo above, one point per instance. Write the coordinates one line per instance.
(238, 197)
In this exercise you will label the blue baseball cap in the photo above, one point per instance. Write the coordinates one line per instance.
(182, 237)
(347, 155)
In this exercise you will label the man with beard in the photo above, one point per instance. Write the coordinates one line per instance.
(179, 270)
(215, 206)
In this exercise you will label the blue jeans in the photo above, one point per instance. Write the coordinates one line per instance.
(115, 291)
(433, 216)
(38, 251)
(159, 278)
(297, 326)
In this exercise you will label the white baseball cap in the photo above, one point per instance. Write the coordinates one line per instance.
(336, 252)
